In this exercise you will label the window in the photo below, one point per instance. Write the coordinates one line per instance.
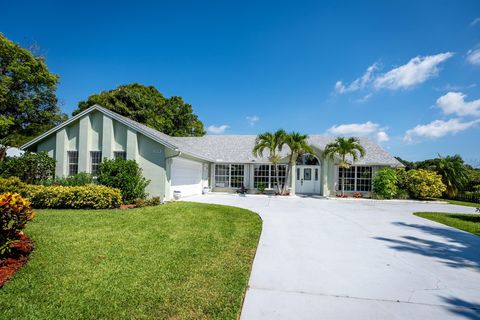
(72, 162)
(316, 174)
(96, 158)
(307, 174)
(357, 178)
(119, 155)
(349, 175)
(364, 179)
(229, 175)
(308, 160)
(264, 174)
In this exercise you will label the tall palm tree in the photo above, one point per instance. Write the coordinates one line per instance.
(344, 147)
(454, 173)
(273, 143)
(298, 144)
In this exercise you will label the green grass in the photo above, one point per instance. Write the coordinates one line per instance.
(175, 261)
(465, 222)
(461, 203)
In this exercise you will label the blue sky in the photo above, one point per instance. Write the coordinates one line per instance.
(406, 73)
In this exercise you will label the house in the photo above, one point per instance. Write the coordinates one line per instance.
(190, 164)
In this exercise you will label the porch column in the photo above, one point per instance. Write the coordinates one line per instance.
(293, 181)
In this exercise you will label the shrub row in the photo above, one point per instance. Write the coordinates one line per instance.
(66, 197)
(391, 183)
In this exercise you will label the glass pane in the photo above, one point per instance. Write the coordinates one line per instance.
(307, 174)
(316, 174)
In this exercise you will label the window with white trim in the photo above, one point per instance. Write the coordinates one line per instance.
(264, 174)
(357, 178)
(364, 179)
(72, 157)
(229, 175)
(120, 155)
(95, 159)
(349, 175)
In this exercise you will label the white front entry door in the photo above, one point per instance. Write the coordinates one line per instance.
(307, 180)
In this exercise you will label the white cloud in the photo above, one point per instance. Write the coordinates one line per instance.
(475, 22)
(438, 129)
(358, 83)
(473, 56)
(454, 103)
(416, 71)
(360, 129)
(382, 136)
(252, 120)
(217, 129)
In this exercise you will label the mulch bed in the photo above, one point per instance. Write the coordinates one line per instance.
(21, 249)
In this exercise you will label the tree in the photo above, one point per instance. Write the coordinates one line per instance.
(273, 143)
(28, 104)
(344, 147)
(145, 104)
(454, 172)
(298, 144)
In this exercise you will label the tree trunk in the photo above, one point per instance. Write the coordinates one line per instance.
(343, 176)
(277, 178)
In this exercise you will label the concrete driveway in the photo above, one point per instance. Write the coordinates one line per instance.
(358, 259)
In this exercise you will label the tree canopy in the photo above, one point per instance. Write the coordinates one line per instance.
(145, 104)
(28, 104)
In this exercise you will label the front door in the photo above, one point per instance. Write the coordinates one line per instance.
(307, 179)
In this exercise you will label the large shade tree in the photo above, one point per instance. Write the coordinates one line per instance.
(343, 148)
(298, 145)
(28, 104)
(273, 143)
(145, 104)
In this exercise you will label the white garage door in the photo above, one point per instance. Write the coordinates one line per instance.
(186, 177)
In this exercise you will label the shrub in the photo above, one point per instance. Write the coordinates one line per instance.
(261, 187)
(70, 197)
(385, 183)
(154, 201)
(30, 167)
(80, 179)
(125, 175)
(15, 213)
(424, 184)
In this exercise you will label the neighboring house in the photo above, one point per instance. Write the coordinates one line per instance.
(189, 164)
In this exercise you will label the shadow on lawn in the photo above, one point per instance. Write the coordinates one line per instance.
(457, 249)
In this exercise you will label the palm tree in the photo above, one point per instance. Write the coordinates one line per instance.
(343, 147)
(298, 145)
(273, 143)
(455, 174)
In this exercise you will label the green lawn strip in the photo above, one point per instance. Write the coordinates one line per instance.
(176, 261)
(460, 203)
(465, 222)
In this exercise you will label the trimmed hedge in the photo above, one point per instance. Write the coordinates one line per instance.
(64, 197)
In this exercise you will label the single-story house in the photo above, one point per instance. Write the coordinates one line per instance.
(192, 164)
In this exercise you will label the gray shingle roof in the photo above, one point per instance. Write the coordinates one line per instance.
(238, 148)
(225, 148)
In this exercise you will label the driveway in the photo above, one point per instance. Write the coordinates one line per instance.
(358, 259)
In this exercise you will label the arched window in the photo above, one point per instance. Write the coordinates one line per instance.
(308, 160)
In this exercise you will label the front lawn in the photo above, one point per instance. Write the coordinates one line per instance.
(465, 222)
(461, 203)
(176, 261)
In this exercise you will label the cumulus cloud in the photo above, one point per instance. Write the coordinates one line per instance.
(252, 120)
(358, 83)
(454, 103)
(416, 71)
(473, 56)
(438, 129)
(217, 129)
(360, 129)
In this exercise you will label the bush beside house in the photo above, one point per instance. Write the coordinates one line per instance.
(125, 175)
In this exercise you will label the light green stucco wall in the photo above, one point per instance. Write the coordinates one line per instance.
(98, 132)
